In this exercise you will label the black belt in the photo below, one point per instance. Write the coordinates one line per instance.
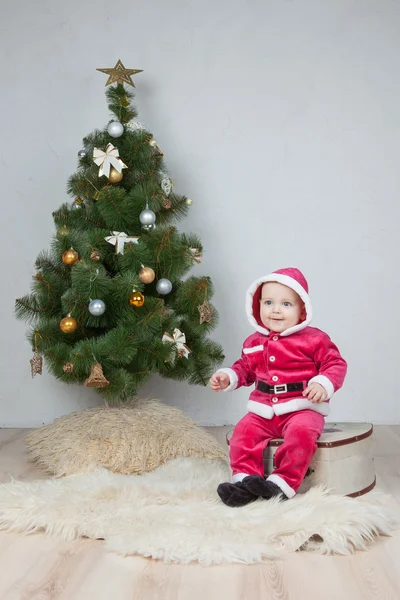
(282, 388)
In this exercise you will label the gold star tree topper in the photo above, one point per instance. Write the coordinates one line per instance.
(119, 74)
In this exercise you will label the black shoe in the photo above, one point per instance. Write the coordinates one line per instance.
(235, 494)
(259, 486)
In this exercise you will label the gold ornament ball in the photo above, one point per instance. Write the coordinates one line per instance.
(189, 202)
(68, 325)
(70, 257)
(114, 176)
(63, 230)
(146, 275)
(136, 299)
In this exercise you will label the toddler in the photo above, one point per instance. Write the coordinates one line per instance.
(296, 369)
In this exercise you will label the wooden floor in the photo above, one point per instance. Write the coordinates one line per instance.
(35, 567)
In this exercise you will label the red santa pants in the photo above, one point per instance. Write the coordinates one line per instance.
(299, 430)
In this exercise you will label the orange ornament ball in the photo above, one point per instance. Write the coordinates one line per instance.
(146, 275)
(70, 257)
(136, 299)
(68, 324)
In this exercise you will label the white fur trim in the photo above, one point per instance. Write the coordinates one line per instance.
(249, 306)
(260, 409)
(281, 483)
(233, 378)
(284, 280)
(326, 384)
(239, 477)
(253, 349)
(282, 408)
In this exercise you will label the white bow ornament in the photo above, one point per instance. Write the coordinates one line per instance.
(119, 239)
(106, 160)
(179, 339)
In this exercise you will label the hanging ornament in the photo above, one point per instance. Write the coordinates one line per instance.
(106, 160)
(196, 255)
(147, 217)
(63, 231)
(68, 324)
(166, 185)
(82, 153)
(70, 257)
(134, 125)
(206, 312)
(114, 176)
(156, 147)
(94, 255)
(96, 195)
(164, 286)
(68, 367)
(96, 378)
(77, 203)
(97, 307)
(136, 299)
(148, 227)
(36, 364)
(188, 202)
(115, 129)
(166, 203)
(119, 74)
(124, 101)
(146, 275)
(179, 339)
(119, 239)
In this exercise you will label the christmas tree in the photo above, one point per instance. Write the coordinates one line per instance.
(109, 304)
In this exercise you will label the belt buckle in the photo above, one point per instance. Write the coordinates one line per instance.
(280, 389)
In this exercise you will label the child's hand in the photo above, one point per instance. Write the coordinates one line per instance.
(219, 381)
(315, 392)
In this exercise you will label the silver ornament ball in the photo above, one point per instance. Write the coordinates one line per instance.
(147, 217)
(115, 129)
(82, 153)
(76, 205)
(189, 201)
(97, 308)
(164, 286)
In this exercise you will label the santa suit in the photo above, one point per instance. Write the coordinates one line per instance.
(281, 366)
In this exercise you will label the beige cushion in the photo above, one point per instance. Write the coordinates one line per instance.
(127, 439)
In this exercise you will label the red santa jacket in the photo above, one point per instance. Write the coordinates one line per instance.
(275, 362)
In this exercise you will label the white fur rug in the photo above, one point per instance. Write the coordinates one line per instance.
(174, 514)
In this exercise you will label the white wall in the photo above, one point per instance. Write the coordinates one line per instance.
(279, 118)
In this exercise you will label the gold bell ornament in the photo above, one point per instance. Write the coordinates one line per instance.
(96, 378)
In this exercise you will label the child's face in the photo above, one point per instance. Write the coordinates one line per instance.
(280, 307)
